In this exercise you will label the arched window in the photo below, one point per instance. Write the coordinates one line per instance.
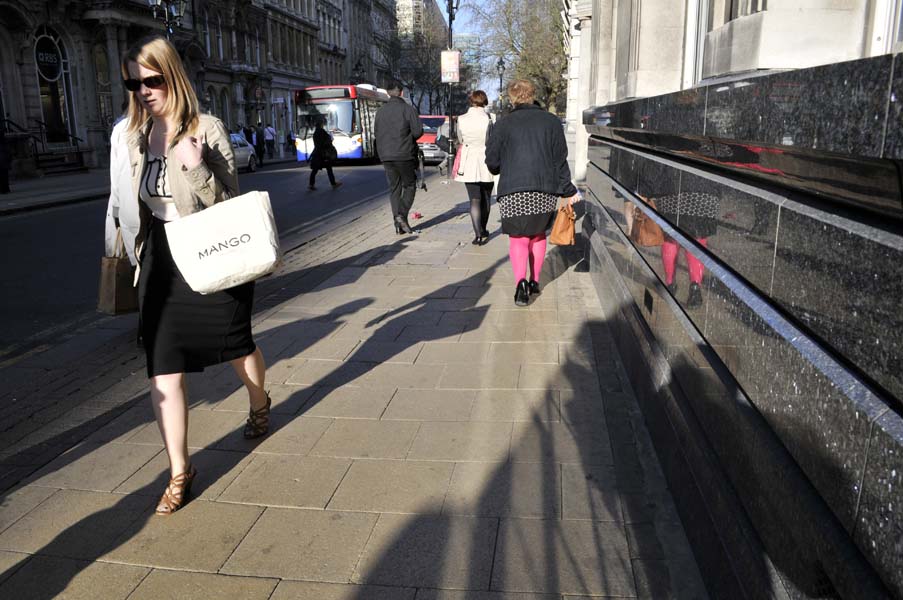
(219, 37)
(210, 99)
(206, 26)
(224, 108)
(257, 46)
(247, 49)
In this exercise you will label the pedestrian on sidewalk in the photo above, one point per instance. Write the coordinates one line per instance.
(323, 156)
(527, 149)
(259, 145)
(4, 162)
(269, 136)
(397, 127)
(472, 134)
(177, 162)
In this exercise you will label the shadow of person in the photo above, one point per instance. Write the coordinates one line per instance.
(546, 519)
(102, 524)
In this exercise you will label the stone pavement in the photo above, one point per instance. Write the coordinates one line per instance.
(430, 440)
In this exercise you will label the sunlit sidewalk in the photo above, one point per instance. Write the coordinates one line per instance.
(430, 440)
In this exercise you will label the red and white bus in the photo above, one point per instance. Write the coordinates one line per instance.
(348, 112)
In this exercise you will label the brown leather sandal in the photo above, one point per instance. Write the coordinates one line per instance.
(177, 491)
(258, 423)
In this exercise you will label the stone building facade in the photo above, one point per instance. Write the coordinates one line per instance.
(60, 89)
(743, 228)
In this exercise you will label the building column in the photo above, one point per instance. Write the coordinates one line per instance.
(113, 56)
(585, 97)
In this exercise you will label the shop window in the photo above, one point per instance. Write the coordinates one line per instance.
(54, 85)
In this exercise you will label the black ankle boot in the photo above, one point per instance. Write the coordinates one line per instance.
(522, 293)
(694, 298)
(401, 226)
(533, 287)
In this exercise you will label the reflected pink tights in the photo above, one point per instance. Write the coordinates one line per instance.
(669, 261)
(527, 251)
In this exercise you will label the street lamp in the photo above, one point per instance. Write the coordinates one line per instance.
(172, 11)
(500, 67)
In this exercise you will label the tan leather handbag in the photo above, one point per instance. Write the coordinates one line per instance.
(563, 227)
(645, 231)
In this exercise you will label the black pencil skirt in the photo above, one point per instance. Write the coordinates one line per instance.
(184, 331)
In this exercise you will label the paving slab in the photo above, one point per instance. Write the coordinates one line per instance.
(20, 502)
(516, 405)
(199, 537)
(75, 524)
(429, 551)
(162, 584)
(95, 467)
(505, 489)
(433, 405)
(349, 402)
(302, 590)
(53, 577)
(10, 563)
(590, 492)
(560, 442)
(393, 487)
(205, 428)
(565, 557)
(312, 545)
(426, 594)
(366, 439)
(461, 442)
(290, 481)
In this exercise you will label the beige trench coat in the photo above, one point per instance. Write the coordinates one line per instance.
(472, 127)
(213, 180)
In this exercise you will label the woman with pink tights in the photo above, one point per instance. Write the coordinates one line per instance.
(528, 150)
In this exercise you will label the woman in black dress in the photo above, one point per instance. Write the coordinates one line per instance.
(528, 150)
(181, 162)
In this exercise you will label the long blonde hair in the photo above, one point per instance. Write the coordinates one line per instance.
(157, 54)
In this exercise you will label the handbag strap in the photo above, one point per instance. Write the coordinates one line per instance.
(119, 244)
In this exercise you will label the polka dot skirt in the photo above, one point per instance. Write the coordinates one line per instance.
(521, 204)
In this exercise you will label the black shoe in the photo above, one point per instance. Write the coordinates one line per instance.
(522, 293)
(401, 226)
(533, 287)
(672, 287)
(485, 235)
(694, 298)
(477, 241)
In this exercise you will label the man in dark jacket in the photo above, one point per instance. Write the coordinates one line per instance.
(397, 128)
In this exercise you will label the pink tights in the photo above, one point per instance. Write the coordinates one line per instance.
(527, 251)
(669, 261)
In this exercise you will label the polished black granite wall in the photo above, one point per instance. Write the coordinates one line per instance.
(802, 259)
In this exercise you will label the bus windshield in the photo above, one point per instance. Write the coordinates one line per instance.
(339, 116)
(432, 124)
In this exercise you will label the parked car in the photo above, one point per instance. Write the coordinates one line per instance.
(244, 153)
(432, 154)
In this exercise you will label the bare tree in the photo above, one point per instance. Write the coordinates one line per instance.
(415, 60)
(530, 34)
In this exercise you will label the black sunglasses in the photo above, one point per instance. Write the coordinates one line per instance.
(152, 83)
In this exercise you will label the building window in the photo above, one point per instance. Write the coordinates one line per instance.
(257, 47)
(224, 106)
(247, 49)
(206, 26)
(104, 90)
(744, 8)
(219, 37)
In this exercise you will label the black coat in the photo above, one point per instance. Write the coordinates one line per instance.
(324, 153)
(528, 149)
(397, 127)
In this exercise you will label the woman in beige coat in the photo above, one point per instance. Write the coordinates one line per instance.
(180, 162)
(472, 127)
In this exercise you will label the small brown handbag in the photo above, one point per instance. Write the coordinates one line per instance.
(563, 227)
(117, 294)
(645, 231)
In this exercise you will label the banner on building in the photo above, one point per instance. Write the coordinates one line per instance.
(451, 62)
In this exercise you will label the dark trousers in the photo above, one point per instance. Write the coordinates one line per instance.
(402, 185)
(313, 175)
(271, 148)
(479, 193)
(258, 150)
(4, 180)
